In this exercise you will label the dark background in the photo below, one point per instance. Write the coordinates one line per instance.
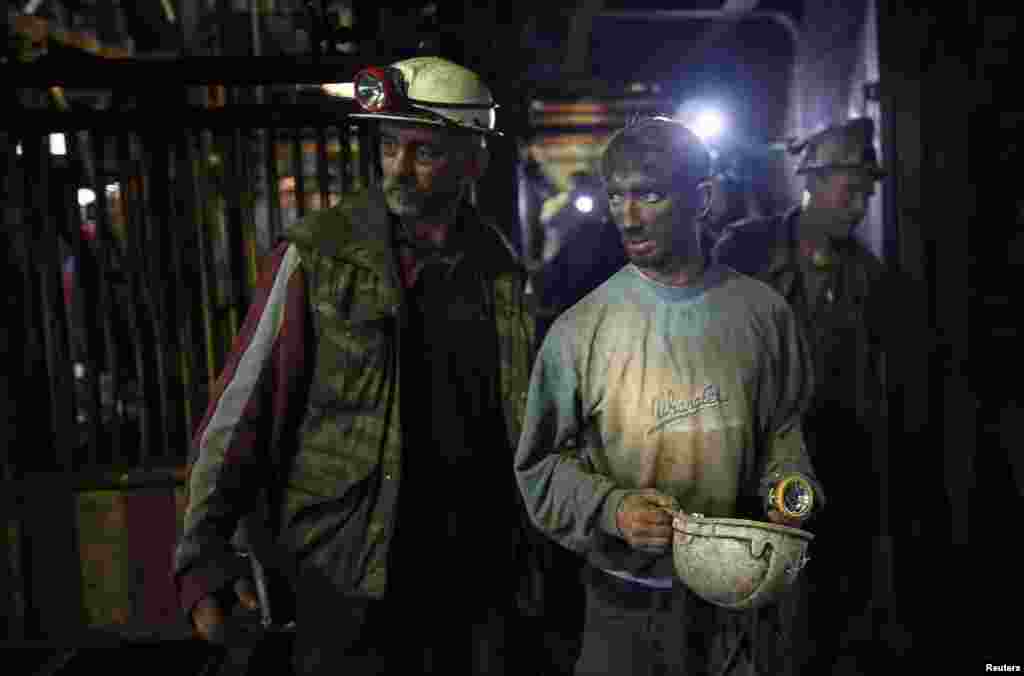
(939, 82)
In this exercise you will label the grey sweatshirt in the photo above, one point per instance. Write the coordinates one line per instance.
(697, 391)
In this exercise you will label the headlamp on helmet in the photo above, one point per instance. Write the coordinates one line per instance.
(423, 90)
(378, 89)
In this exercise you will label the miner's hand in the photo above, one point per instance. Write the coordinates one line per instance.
(645, 521)
(778, 517)
(210, 617)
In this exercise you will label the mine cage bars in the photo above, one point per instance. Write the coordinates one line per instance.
(135, 247)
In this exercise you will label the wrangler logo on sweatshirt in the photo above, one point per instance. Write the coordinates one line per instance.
(669, 408)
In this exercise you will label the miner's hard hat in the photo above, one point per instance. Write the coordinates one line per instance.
(845, 146)
(737, 563)
(423, 90)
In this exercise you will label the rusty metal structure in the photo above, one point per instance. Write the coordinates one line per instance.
(129, 302)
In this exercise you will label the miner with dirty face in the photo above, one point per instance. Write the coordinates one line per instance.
(676, 387)
(654, 176)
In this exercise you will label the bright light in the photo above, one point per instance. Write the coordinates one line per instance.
(584, 204)
(58, 146)
(345, 90)
(708, 125)
(86, 197)
(18, 149)
(705, 118)
(113, 188)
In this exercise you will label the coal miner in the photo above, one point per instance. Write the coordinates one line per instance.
(732, 196)
(675, 388)
(373, 401)
(846, 303)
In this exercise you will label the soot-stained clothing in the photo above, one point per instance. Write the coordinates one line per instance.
(452, 414)
(360, 415)
(697, 391)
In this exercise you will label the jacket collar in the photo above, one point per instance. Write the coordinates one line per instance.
(359, 231)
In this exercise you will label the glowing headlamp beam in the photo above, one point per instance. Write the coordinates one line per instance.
(584, 204)
(708, 125)
(345, 90)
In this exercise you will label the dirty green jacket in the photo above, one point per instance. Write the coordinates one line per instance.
(306, 414)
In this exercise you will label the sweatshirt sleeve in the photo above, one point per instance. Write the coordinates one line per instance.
(231, 446)
(564, 499)
(785, 394)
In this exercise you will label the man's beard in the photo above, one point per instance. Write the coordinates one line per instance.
(405, 201)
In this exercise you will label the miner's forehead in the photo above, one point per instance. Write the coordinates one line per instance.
(414, 132)
(408, 132)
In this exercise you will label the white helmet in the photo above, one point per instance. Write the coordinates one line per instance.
(424, 90)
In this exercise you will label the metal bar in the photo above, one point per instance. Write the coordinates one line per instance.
(273, 185)
(132, 266)
(84, 285)
(323, 177)
(145, 117)
(24, 249)
(155, 186)
(199, 70)
(216, 343)
(299, 174)
(12, 232)
(248, 172)
(197, 218)
(57, 364)
(235, 182)
(107, 307)
(12, 589)
(181, 296)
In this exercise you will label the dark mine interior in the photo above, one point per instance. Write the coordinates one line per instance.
(207, 330)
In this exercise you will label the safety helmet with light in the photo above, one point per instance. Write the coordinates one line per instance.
(423, 90)
(846, 146)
